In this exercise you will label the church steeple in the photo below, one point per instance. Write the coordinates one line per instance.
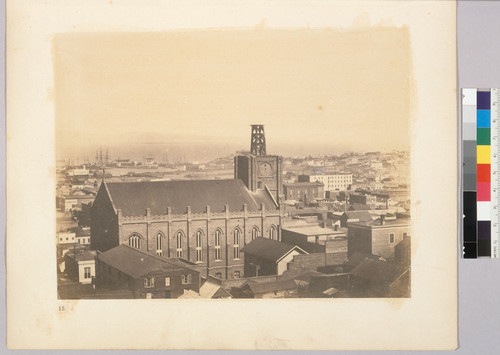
(257, 170)
(258, 140)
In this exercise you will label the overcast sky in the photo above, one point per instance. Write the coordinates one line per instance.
(312, 89)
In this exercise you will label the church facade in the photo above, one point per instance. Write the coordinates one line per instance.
(206, 222)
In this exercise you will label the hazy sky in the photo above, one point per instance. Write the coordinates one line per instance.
(312, 89)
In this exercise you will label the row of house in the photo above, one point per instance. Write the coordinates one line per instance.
(376, 267)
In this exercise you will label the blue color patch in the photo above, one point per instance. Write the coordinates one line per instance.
(483, 100)
(483, 119)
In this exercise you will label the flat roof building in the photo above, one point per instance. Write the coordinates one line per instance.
(377, 237)
(331, 182)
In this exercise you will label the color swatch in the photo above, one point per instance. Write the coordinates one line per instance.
(476, 172)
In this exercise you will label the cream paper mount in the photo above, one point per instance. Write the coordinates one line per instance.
(421, 72)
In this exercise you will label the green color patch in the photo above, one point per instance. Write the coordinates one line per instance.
(483, 136)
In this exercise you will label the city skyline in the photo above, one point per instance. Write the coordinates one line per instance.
(188, 153)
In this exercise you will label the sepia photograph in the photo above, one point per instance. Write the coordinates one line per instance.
(231, 175)
(258, 163)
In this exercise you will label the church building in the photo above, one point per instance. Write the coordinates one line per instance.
(206, 222)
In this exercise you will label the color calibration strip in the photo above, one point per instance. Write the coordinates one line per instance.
(479, 165)
(494, 173)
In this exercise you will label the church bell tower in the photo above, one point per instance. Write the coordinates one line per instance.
(258, 140)
(257, 170)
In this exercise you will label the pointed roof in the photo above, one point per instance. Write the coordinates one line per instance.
(270, 249)
(133, 198)
(210, 289)
(136, 263)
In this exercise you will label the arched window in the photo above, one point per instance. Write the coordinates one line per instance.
(159, 243)
(218, 256)
(255, 232)
(272, 232)
(179, 237)
(199, 235)
(134, 241)
(236, 243)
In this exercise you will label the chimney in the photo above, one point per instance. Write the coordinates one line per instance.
(382, 219)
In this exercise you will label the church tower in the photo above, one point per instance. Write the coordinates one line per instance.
(260, 171)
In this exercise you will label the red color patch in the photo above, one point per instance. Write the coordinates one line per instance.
(483, 191)
(483, 173)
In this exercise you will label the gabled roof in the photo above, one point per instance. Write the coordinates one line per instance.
(133, 198)
(209, 289)
(189, 294)
(136, 263)
(270, 249)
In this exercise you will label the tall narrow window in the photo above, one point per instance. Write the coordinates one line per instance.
(217, 245)
(159, 244)
(255, 233)
(391, 238)
(134, 241)
(186, 279)
(149, 282)
(198, 246)
(179, 244)
(236, 243)
(272, 232)
(86, 273)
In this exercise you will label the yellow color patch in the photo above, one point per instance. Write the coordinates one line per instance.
(484, 154)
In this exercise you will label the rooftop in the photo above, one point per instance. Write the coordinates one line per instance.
(82, 255)
(359, 207)
(298, 184)
(361, 215)
(135, 263)
(189, 294)
(273, 286)
(209, 289)
(78, 197)
(269, 249)
(378, 223)
(312, 230)
(80, 231)
(133, 198)
(379, 272)
(358, 257)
